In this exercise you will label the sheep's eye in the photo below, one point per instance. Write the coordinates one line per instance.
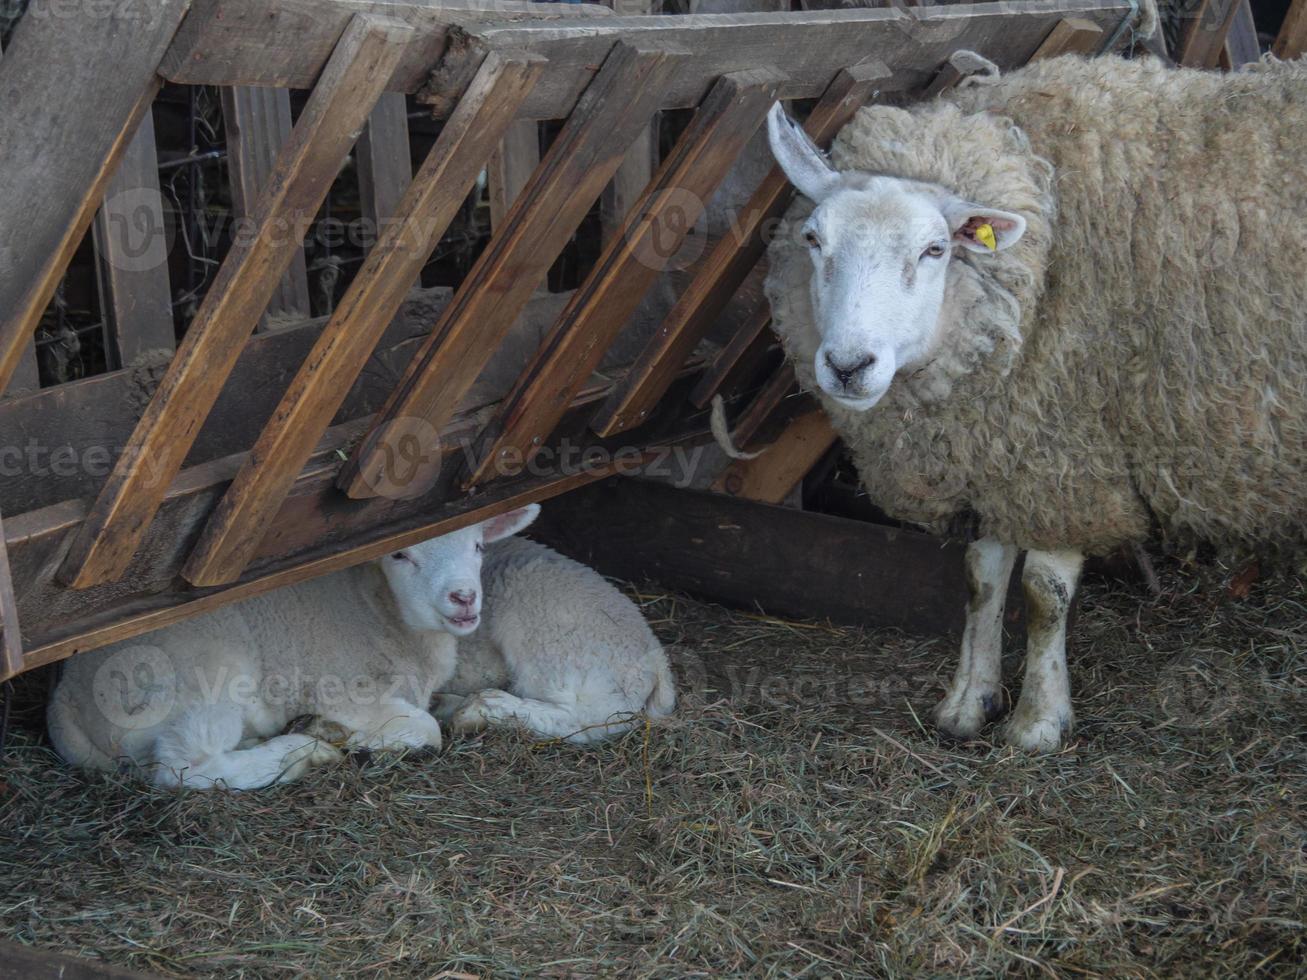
(934, 251)
(811, 238)
(401, 556)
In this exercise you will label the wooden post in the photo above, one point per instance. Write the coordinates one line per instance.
(633, 176)
(1241, 44)
(1071, 35)
(365, 58)
(1291, 42)
(74, 92)
(11, 640)
(132, 249)
(27, 376)
(1202, 37)
(384, 168)
(233, 533)
(258, 124)
(511, 167)
(616, 104)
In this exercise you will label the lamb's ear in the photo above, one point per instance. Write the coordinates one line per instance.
(509, 523)
(799, 157)
(968, 222)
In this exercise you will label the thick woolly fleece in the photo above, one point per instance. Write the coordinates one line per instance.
(1139, 359)
(558, 634)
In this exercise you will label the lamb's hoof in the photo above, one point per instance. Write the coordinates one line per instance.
(307, 753)
(1037, 734)
(471, 717)
(964, 717)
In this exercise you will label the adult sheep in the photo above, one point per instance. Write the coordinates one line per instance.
(1057, 312)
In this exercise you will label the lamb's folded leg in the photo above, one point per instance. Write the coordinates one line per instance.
(386, 726)
(976, 694)
(544, 719)
(1043, 716)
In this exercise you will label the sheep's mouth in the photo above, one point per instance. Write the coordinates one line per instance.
(467, 622)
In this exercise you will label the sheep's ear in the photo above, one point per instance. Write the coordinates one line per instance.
(798, 156)
(509, 523)
(982, 229)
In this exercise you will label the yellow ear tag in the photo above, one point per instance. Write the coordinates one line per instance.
(985, 235)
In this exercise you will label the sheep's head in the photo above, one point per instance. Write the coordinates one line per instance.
(437, 583)
(881, 249)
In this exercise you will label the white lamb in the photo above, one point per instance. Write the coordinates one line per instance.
(201, 703)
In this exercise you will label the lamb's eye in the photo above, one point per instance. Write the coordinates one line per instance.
(933, 251)
(811, 238)
(480, 548)
(401, 556)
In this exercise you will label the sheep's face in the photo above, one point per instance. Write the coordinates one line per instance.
(437, 583)
(880, 248)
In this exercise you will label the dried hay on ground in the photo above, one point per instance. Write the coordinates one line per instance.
(797, 818)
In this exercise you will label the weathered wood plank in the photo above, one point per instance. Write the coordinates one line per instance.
(510, 168)
(233, 533)
(11, 639)
(354, 78)
(775, 390)
(1241, 44)
(582, 158)
(248, 45)
(782, 466)
(285, 43)
(742, 353)
(727, 265)
(258, 124)
(1202, 35)
(132, 247)
(72, 95)
(1071, 35)
(26, 375)
(781, 561)
(384, 167)
(633, 176)
(1291, 42)
(650, 235)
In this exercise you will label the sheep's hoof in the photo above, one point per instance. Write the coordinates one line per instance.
(309, 753)
(1033, 733)
(964, 717)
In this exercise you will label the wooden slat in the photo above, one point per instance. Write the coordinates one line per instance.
(1241, 44)
(1071, 35)
(649, 237)
(132, 248)
(591, 144)
(510, 168)
(233, 533)
(771, 477)
(775, 390)
(633, 176)
(781, 561)
(330, 122)
(26, 375)
(19, 962)
(228, 42)
(1202, 35)
(285, 43)
(73, 93)
(11, 639)
(258, 123)
(742, 352)
(384, 167)
(726, 266)
(1291, 42)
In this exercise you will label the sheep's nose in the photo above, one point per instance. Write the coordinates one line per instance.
(463, 598)
(844, 373)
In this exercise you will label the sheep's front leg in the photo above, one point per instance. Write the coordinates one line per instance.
(1043, 715)
(387, 726)
(976, 695)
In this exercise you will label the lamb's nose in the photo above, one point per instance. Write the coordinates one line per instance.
(463, 598)
(844, 373)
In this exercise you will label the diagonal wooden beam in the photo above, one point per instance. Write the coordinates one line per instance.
(646, 242)
(727, 265)
(744, 350)
(232, 535)
(350, 84)
(1202, 33)
(1071, 35)
(620, 100)
(71, 95)
(11, 640)
(1291, 42)
(773, 475)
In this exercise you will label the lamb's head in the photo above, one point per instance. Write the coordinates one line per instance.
(881, 248)
(437, 583)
